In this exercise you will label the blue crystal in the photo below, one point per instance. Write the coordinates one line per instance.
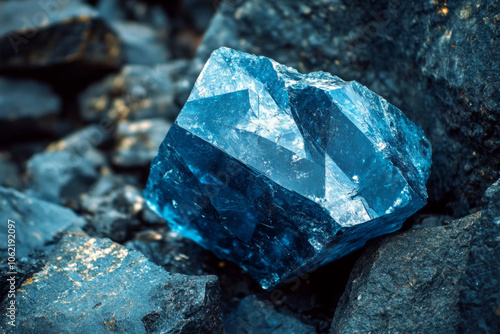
(280, 171)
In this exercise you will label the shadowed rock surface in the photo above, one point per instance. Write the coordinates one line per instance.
(95, 285)
(437, 279)
(253, 316)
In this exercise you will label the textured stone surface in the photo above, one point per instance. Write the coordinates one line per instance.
(434, 279)
(22, 114)
(253, 316)
(95, 285)
(113, 208)
(137, 92)
(276, 170)
(68, 167)
(43, 34)
(137, 142)
(436, 60)
(37, 221)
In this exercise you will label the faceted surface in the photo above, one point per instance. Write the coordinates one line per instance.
(281, 172)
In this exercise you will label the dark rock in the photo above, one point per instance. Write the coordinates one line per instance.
(480, 297)
(95, 285)
(428, 279)
(69, 167)
(113, 208)
(9, 173)
(171, 251)
(22, 114)
(137, 142)
(260, 317)
(437, 61)
(137, 92)
(37, 222)
(45, 34)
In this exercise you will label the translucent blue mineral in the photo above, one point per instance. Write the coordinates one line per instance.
(282, 172)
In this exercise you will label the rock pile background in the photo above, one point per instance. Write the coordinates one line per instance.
(89, 88)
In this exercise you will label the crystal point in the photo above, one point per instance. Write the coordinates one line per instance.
(280, 171)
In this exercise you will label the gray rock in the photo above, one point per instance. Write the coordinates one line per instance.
(113, 208)
(254, 316)
(480, 296)
(69, 167)
(95, 285)
(436, 61)
(137, 142)
(137, 92)
(141, 44)
(427, 279)
(36, 222)
(22, 114)
(44, 34)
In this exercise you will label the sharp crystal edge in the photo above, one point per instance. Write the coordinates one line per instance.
(282, 172)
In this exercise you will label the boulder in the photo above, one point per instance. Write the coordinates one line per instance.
(95, 285)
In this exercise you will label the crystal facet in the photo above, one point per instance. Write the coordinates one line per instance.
(281, 172)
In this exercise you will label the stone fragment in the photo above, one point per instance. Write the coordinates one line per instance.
(46, 34)
(37, 222)
(278, 171)
(137, 142)
(69, 167)
(93, 285)
(432, 70)
(141, 44)
(428, 279)
(137, 92)
(113, 207)
(23, 114)
(254, 316)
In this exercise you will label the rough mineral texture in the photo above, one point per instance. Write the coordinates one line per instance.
(37, 222)
(93, 285)
(434, 279)
(436, 60)
(276, 170)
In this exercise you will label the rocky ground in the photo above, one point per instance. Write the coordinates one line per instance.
(88, 89)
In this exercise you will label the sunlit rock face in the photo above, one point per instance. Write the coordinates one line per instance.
(282, 172)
